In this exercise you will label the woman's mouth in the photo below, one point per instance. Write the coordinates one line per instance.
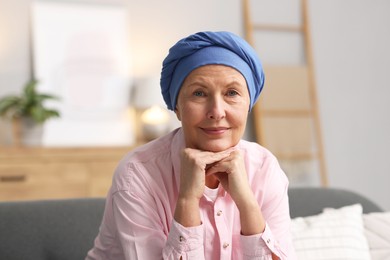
(215, 130)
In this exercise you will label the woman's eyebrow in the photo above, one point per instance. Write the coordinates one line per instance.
(235, 83)
(199, 82)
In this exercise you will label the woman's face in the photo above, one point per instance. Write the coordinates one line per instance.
(213, 105)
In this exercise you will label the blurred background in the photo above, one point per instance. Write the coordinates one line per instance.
(102, 58)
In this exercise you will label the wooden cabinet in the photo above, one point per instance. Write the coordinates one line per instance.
(55, 173)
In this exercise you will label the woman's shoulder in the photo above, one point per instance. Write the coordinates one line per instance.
(143, 161)
(261, 163)
(254, 149)
(258, 157)
(152, 149)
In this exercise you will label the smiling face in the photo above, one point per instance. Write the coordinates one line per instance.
(213, 106)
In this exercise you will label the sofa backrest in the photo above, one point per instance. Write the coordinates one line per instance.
(66, 229)
(52, 229)
(310, 201)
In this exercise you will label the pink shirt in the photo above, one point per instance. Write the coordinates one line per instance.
(138, 219)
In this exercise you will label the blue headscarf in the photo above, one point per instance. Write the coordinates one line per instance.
(206, 48)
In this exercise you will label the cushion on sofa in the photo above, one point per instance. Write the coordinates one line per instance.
(333, 234)
(377, 231)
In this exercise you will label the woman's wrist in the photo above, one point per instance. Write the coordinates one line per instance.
(245, 200)
(187, 212)
(252, 221)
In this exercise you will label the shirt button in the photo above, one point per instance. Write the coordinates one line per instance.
(268, 241)
(219, 213)
(225, 245)
(181, 238)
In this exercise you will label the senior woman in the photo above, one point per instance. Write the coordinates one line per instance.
(201, 192)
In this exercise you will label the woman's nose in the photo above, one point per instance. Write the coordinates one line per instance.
(216, 109)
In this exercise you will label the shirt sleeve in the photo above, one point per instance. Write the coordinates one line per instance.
(184, 242)
(137, 227)
(141, 234)
(261, 246)
(276, 237)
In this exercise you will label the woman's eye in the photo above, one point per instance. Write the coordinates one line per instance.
(198, 94)
(232, 93)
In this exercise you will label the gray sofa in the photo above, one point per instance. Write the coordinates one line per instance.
(65, 229)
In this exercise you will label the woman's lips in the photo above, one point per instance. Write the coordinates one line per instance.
(215, 130)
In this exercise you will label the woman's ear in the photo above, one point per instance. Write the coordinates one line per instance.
(177, 114)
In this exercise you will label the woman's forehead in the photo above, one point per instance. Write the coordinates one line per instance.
(211, 72)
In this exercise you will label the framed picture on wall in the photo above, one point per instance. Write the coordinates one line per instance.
(81, 54)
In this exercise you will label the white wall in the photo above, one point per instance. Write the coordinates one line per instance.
(156, 25)
(14, 52)
(351, 47)
(14, 45)
(351, 39)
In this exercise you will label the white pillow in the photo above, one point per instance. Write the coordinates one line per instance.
(377, 230)
(333, 234)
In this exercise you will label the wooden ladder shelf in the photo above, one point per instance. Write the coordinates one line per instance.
(286, 118)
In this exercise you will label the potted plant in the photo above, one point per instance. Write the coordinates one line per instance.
(27, 112)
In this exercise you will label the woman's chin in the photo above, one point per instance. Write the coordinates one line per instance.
(216, 146)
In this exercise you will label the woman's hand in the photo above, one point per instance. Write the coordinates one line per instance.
(192, 181)
(229, 168)
(193, 170)
(232, 175)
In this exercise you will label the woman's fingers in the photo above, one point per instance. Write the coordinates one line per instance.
(229, 164)
(205, 159)
(232, 175)
(194, 164)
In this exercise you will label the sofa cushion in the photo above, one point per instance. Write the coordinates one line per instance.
(377, 231)
(333, 234)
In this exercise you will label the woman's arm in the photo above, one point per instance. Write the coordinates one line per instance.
(192, 181)
(232, 175)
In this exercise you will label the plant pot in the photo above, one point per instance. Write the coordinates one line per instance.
(26, 132)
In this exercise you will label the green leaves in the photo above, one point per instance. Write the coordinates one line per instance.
(9, 105)
(29, 104)
(41, 114)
